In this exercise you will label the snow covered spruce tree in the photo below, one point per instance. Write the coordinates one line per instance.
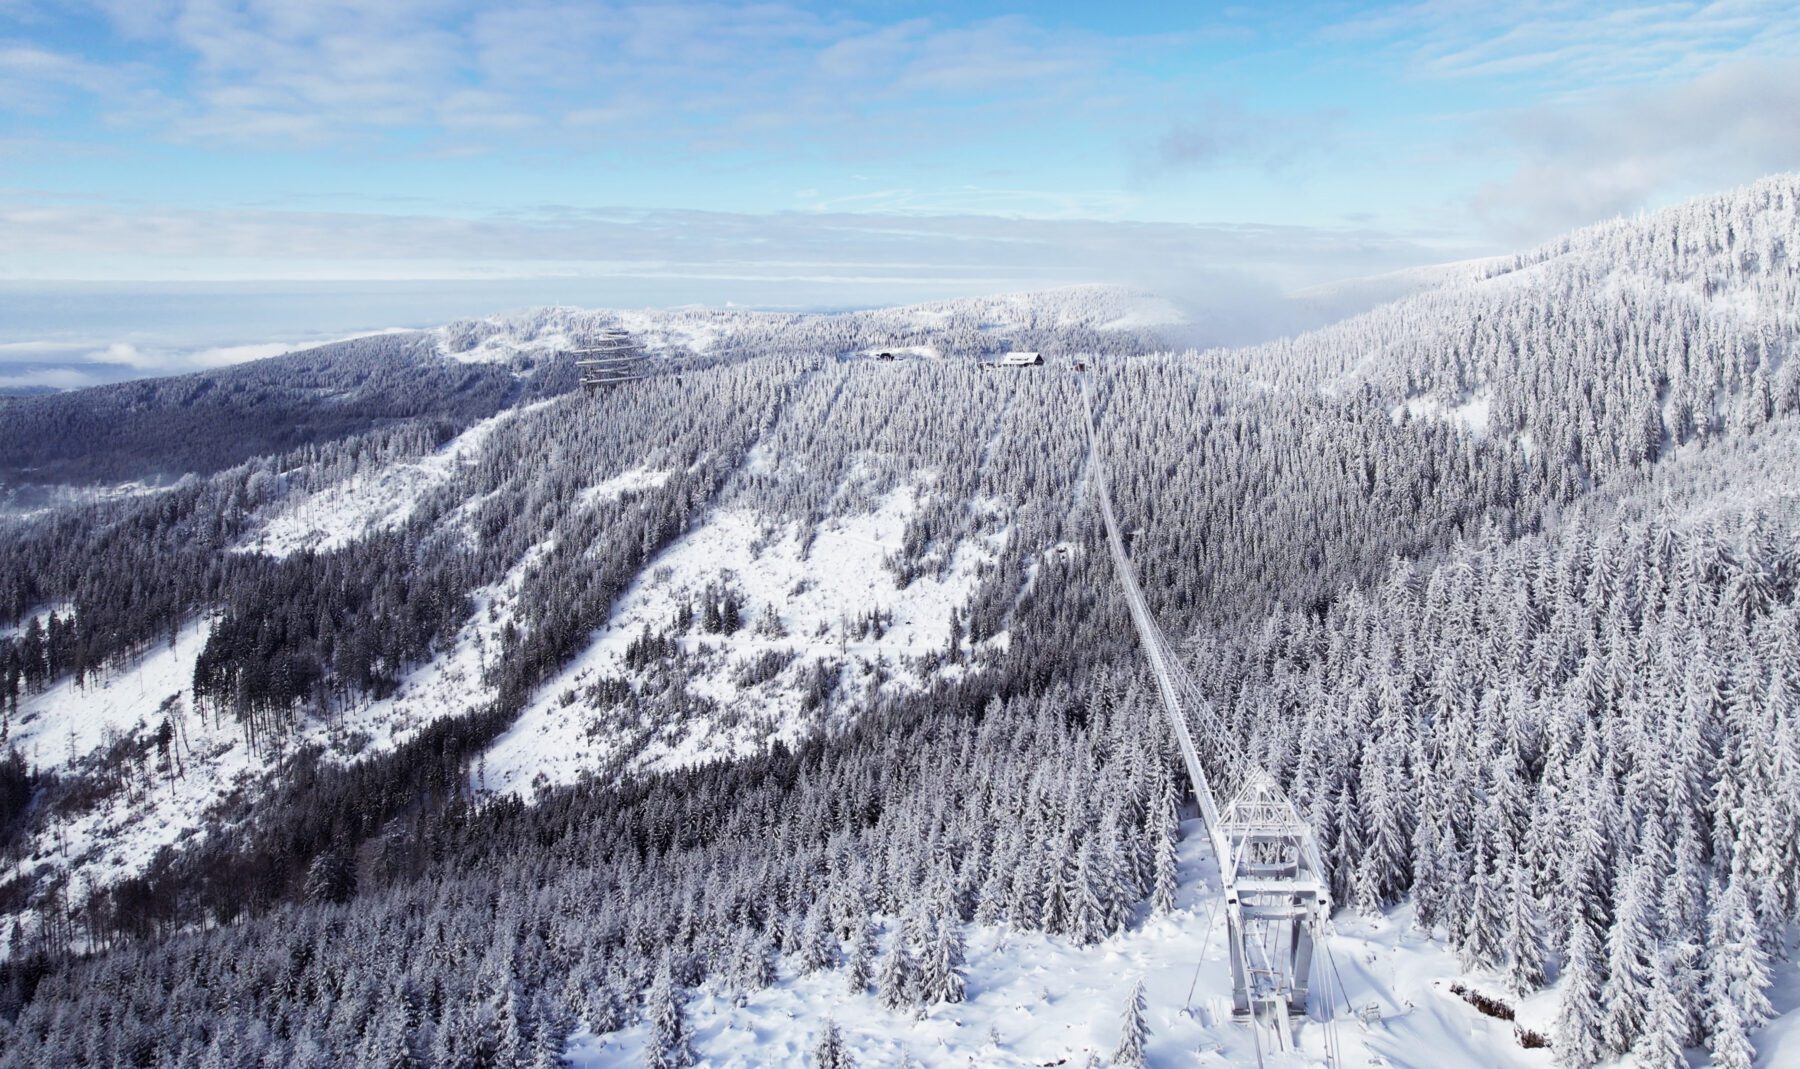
(669, 1044)
(1134, 1031)
(830, 1052)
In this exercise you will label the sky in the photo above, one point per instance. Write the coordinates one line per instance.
(184, 182)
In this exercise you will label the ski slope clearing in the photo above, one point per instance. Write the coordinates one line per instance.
(799, 603)
(1037, 1000)
(111, 722)
(104, 727)
(369, 501)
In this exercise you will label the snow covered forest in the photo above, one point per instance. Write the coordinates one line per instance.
(427, 711)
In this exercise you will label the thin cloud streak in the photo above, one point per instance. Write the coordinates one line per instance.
(1576, 45)
(816, 245)
(287, 73)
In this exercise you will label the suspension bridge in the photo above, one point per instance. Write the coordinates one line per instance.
(1275, 894)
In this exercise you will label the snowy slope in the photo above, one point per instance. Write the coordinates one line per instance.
(812, 591)
(369, 501)
(71, 728)
(68, 726)
(1036, 1000)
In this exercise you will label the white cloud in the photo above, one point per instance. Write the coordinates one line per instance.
(226, 355)
(1580, 161)
(673, 78)
(165, 359)
(58, 378)
(123, 353)
(917, 245)
(34, 80)
(1573, 43)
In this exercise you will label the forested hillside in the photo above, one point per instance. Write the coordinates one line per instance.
(515, 729)
(157, 430)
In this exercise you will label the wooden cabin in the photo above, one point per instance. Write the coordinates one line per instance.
(1019, 359)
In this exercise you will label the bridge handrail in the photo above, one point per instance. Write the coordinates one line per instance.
(1155, 646)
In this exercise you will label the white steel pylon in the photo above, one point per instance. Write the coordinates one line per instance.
(1277, 899)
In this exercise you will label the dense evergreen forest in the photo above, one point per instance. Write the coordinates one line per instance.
(1500, 580)
(157, 430)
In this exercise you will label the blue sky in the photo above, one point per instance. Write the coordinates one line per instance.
(880, 150)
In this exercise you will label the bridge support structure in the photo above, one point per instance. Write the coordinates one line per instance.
(1277, 899)
(1276, 895)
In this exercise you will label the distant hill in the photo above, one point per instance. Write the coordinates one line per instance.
(160, 429)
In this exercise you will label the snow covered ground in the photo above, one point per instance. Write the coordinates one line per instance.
(67, 721)
(926, 352)
(1035, 1000)
(665, 332)
(813, 592)
(121, 832)
(369, 501)
(631, 481)
(1473, 414)
(41, 614)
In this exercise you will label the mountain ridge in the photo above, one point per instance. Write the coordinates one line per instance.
(861, 609)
